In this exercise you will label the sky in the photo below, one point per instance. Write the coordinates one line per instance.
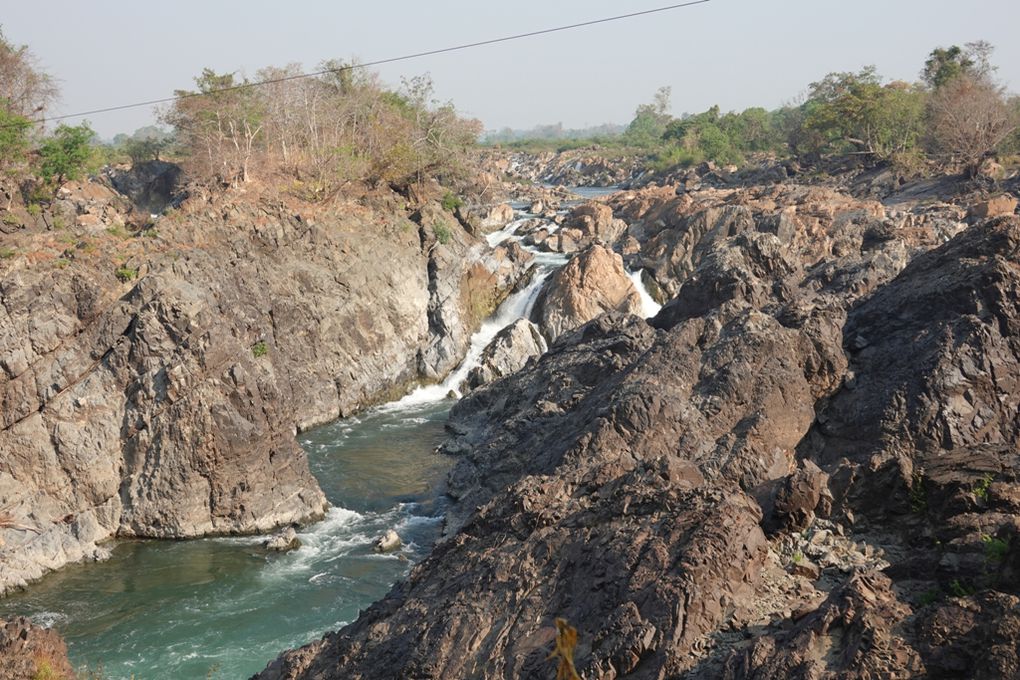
(734, 53)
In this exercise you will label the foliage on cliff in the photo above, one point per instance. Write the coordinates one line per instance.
(322, 132)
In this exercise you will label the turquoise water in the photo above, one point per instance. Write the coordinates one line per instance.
(223, 608)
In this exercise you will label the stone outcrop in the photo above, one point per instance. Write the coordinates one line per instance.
(804, 466)
(593, 282)
(151, 384)
(28, 652)
(508, 352)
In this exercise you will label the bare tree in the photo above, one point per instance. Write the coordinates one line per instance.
(25, 90)
(969, 120)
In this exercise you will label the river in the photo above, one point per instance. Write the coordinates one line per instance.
(223, 608)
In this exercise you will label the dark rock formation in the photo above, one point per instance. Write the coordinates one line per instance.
(830, 382)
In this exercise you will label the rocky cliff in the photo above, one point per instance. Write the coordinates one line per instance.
(153, 377)
(803, 467)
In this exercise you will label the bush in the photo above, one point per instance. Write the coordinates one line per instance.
(259, 349)
(67, 154)
(451, 201)
(125, 274)
(443, 233)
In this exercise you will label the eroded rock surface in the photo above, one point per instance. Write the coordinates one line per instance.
(804, 466)
(151, 383)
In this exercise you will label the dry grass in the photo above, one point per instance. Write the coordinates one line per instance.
(566, 641)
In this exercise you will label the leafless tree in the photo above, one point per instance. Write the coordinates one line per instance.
(969, 120)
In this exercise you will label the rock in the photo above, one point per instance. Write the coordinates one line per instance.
(29, 652)
(805, 568)
(537, 208)
(508, 352)
(388, 542)
(593, 282)
(284, 541)
(152, 186)
(165, 405)
(497, 217)
(998, 206)
(823, 359)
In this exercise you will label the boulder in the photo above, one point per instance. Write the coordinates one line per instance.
(285, 541)
(388, 542)
(508, 352)
(497, 217)
(593, 282)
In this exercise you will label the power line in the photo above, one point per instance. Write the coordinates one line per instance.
(378, 62)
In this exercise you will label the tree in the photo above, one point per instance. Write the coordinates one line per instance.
(944, 64)
(856, 112)
(66, 154)
(219, 123)
(969, 120)
(14, 141)
(24, 89)
(650, 121)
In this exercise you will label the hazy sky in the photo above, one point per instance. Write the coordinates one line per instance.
(735, 53)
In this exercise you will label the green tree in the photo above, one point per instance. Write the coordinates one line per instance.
(14, 140)
(650, 121)
(947, 63)
(849, 111)
(66, 154)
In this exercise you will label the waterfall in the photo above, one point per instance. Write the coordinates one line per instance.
(649, 307)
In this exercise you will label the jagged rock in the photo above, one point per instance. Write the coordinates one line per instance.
(284, 541)
(508, 352)
(29, 652)
(593, 282)
(388, 542)
(851, 635)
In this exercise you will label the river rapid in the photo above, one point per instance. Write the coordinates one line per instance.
(224, 607)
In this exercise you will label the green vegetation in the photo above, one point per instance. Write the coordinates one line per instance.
(443, 233)
(451, 201)
(259, 349)
(117, 231)
(125, 274)
(930, 596)
(918, 495)
(995, 548)
(961, 589)
(67, 154)
(7, 253)
(983, 486)
(954, 118)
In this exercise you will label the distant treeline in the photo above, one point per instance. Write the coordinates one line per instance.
(955, 117)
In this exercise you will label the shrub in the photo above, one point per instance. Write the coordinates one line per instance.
(7, 253)
(125, 274)
(67, 154)
(443, 233)
(451, 201)
(259, 349)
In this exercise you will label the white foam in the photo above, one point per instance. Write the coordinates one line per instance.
(649, 307)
